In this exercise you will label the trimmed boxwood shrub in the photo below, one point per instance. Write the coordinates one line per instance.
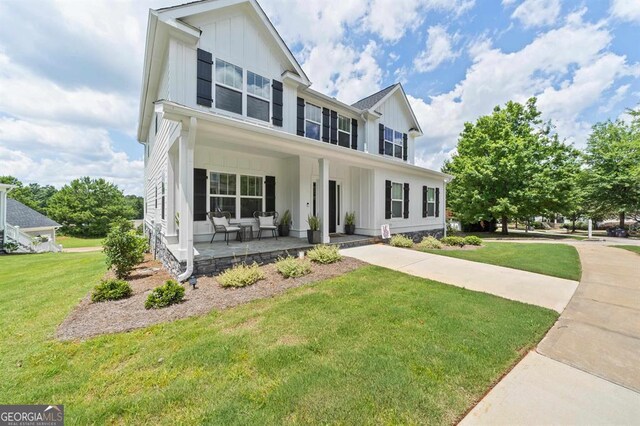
(290, 267)
(111, 290)
(400, 240)
(472, 240)
(430, 243)
(166, 295)
(241, 275)
(124, 248)
(324, 254)
(453, 241)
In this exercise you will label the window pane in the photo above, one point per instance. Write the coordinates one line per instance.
(312, 130)
(398, 151)
(431, 194)
(313, 113)
(250, 205)
(227, 204)
(388, 134)
(396, 209)
(259, 185)
(257, 108)
(344, 139)
(258, 85)
(431, 209)
(228, 74)
(396, 192)
(388, 148)
(397, 138)
(228, 100)
(344, 124)
(214, 179)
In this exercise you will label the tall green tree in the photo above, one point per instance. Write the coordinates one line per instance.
(137, 205)
(32, 195)
(510, 165)
(87, 207)
(613, 168)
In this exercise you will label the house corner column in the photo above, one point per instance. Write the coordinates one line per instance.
(323, 198)
(172, 175)
(186, 158)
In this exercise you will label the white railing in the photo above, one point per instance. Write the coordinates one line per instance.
(27, 243)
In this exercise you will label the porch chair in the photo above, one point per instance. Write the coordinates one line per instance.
(266, 222)
(220, 222)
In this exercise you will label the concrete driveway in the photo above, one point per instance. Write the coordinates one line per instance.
(536, 289)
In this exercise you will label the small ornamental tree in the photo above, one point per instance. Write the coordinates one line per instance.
(124, 248)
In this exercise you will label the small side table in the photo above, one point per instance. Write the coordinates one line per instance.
(245, 233)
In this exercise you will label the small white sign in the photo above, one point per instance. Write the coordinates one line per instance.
(386, 231)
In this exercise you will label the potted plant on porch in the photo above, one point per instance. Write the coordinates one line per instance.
(350, 223)
(285, 224)
(314, 234)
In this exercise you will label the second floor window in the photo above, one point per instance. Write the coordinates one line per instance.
(258, 96)
(344, 131)
(228, 87)
(393, 143)
(313, 120)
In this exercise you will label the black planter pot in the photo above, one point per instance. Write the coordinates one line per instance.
(283, 230)
(349, 229)
(314, 237)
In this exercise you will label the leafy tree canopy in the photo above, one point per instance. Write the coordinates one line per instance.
(86, 207)
(510, 164)
(32, 195)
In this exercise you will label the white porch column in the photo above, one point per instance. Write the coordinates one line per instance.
(172, 176)
(185, 151)
(323, 198)
(3, 209)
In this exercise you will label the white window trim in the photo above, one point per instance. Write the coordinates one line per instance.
(401, 199)
(237, 197)
(319, 123)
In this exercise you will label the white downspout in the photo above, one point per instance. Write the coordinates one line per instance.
(186, 176)
(444, 202)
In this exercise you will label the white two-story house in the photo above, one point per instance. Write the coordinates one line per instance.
(229, 121)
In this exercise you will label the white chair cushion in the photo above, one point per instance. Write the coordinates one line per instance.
(265, 221)
(221, 221)
(232, 228)
(268, 227)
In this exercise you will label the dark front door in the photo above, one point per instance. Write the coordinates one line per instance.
(332, 206)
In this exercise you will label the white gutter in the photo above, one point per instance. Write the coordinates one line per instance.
(444, 201)
(191, 142)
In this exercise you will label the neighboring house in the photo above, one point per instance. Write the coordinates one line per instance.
(32, 231)
(229, 122)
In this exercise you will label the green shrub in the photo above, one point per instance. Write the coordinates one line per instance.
(124, 248)
(111, 290)
(472, 240)
(400, 240)
(168, 294)
(324, 254)
(453, 241)
(290, 267)
(430, 243)
(241, 275)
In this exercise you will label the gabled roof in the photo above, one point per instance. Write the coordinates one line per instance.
(25, 217)
(371, 100)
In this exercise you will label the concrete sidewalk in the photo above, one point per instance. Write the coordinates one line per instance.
(541, 290)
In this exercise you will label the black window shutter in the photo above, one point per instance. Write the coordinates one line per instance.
(437, 202)
(424, 201)
(204, 83)
(387, 199)
(300, 120)
(404, 146)
(325, 124)
(276, 88)
(406, 201)
(270, 193)
(354, 133)
(334, 127)
(381, 138)
(199, 194)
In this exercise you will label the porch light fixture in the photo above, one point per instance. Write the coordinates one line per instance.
(193, 281)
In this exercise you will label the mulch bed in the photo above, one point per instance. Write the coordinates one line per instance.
(90, 319)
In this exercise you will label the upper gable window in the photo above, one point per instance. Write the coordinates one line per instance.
(393, 143)
(258, 96)
(228, 87)
(313, 120)
(344, 130)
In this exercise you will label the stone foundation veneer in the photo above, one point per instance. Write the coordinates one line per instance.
(417, 236)
(162, 253)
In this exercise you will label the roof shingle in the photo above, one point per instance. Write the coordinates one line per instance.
(25, 217)
(371, 100)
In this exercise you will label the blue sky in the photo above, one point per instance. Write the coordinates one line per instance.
(70, 70)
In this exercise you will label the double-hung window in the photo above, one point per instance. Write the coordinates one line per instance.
(313, 120)
(393, 143)
(228, 87)
(344, 131)
(222, 187)
(258, 96)
(250, 195)
(431, 202)
(397, 199)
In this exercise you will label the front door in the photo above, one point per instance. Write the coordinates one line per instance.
(332, 206)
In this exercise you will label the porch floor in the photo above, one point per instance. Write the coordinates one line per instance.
(219, 249)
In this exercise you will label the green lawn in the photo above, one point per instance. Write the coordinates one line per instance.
(75, 242)
(635, 249)
(373, 346)
(557, 260)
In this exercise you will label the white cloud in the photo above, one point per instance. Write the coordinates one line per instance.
(626, 10)
(537, 13)
(439, 49)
